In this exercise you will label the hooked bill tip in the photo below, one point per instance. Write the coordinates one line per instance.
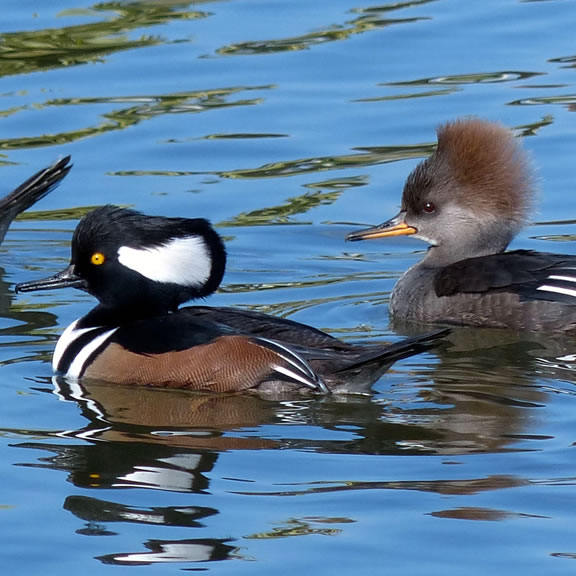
(352, 237)
(53, 283)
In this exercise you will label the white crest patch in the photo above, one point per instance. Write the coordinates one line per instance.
(185, 261)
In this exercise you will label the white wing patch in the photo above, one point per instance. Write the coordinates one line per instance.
(185, 261)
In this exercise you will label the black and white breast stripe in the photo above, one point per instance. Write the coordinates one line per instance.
(77, 347)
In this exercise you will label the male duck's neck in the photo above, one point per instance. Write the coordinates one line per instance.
(106, 316)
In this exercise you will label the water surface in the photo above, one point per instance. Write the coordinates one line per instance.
(285, 123)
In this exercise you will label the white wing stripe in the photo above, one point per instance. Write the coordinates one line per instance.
(294, 376)
(291, 357)
(305, 374)
(564, 278)
(558, 290)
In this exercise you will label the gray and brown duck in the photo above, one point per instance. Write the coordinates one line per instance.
(468, 200)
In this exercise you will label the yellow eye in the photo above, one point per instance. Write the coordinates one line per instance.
(97, 258)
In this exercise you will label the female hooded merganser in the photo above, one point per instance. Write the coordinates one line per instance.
(468, 200)
(28, 193)
(141, 268)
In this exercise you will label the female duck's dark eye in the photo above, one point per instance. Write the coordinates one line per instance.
(429, 208)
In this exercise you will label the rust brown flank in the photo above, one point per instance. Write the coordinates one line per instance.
(227, 364)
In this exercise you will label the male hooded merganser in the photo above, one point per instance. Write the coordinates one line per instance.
(141, 268)
(29, 192)
(468, 200)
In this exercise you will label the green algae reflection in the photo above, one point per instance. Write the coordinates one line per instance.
(24, 52)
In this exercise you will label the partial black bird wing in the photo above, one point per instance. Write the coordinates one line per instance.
(531, 275)
(382, 353)
(266, 326)
(29, 192)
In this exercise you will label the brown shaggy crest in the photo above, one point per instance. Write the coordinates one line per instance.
(485, 157)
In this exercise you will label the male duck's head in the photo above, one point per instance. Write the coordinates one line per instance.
(129, 260)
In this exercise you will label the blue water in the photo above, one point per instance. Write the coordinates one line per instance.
(284, 123)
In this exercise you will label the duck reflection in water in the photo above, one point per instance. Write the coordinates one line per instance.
(468, 401)
(468, 398)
